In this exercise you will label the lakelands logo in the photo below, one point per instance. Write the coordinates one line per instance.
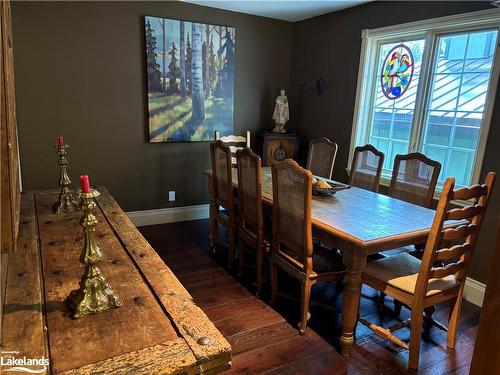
(9, 362)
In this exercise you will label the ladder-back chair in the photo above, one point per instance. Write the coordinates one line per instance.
(440, 275)
(251, 221)
(366, 167)
(292, 244)
(321, 157)
(222, 190)
(235, 143)
(414, 179)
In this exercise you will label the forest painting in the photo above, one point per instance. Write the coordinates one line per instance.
(190, 68)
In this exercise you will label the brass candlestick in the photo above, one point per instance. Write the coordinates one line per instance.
(94, 295)
(66, 202)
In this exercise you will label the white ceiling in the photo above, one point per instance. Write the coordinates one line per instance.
(295, 10)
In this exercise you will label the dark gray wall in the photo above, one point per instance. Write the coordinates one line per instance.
(80, 73)
(330, 46)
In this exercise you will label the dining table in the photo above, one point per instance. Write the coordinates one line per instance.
(359, 223)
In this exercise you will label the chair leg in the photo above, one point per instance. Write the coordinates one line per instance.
(380, 302)
(230, 248)
(214, 231)
(258, 268)
(306, 295)
(397, 307)
(415, 335)
(274, 282)
(453, 321)
(241, 251)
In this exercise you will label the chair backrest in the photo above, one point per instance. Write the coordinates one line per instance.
(292, 201)
(414, 178)
(250, 191)
(366, 167)
(321, 157)
(454, 246)
(222, 180)
(235, 143)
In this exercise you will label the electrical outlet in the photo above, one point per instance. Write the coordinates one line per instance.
(171, 196)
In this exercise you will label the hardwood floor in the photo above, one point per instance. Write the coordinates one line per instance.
(266, 341)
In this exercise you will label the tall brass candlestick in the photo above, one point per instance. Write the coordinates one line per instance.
(94, 295)
(66, 203)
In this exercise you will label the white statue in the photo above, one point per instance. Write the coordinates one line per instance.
(281, 114)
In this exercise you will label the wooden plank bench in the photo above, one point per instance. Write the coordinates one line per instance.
(159, 329)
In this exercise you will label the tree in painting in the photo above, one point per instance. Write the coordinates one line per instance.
(191, 90)
(188, 64)
(198, 101)
(225, 83)
(154, 82)
(173, 72)
(182, 64)
(212, 69)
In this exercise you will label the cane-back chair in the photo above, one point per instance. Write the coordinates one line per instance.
(366, 167)
(292, 244)
(251, 222)
(321, 157)
(414, 178)
(235, 143)
(222, 192)
(440, 275)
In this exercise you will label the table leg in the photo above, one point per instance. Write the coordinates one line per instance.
(354, 260)
(213, 215)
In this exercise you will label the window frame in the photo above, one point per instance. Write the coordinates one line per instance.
(429, 30)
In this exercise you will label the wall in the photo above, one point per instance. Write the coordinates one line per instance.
(329, 46)
(80, 73)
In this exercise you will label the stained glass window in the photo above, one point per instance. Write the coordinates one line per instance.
(397, 72)
(395, 96)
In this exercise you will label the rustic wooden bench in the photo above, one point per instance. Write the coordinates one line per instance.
(158, 330)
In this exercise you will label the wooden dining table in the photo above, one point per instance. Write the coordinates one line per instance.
(358, 222)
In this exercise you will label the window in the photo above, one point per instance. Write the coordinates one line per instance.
(429, 86)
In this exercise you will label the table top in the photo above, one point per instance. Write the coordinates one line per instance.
(157, 329)
(361, 217)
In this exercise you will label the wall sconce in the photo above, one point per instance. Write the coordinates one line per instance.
(318, 84)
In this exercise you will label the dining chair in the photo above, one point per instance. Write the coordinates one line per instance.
(321, 157)
(414, 178)
(366, 167)
(292, 244)
(251, 221)
(235, 143)
(420, 284)
(222, 190)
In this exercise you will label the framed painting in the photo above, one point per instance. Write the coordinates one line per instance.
(190, 79)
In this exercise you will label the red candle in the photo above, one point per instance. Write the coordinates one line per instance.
(60, 141)
(84, 180)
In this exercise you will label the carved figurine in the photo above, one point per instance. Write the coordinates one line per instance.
(281, 114)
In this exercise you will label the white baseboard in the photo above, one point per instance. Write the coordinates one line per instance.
(474, 291)
(168, 215)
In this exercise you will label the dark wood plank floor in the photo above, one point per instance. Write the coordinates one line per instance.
(265, 340)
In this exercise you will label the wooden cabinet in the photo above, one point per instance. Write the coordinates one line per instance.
(274, 146)
(158, 328)
(9, 168)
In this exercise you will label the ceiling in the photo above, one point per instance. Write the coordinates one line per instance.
(295, 10)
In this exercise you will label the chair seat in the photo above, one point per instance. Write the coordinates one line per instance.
(401, 271)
